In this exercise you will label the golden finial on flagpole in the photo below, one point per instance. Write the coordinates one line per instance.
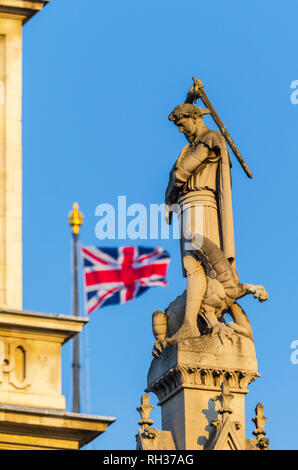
(75, 219)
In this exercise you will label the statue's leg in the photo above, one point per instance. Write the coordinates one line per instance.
(196, 288)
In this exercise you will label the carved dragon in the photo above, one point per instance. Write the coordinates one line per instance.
(216, 288)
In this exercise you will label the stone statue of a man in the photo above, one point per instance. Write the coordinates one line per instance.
(200, 183)
(200, 178)
(199, 189)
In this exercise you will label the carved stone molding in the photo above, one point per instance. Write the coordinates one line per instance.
(189, 376)
(15, 363)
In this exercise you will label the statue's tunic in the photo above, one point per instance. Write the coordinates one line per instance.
(202, 177)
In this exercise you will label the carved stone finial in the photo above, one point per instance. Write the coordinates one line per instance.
(226, 398)
(259, 421)
(145, 410)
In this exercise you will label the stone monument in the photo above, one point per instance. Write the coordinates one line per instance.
(203, 365)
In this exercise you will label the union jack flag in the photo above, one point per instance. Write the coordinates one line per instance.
(117, 275)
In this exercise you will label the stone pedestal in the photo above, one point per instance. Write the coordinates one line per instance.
(187, 379)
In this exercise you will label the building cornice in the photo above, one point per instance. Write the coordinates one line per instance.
(21, 9)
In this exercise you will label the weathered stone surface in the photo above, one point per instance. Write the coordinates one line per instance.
(187, 379)
(205, 352)
(153, 439)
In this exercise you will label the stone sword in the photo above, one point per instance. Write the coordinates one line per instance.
(197, 91)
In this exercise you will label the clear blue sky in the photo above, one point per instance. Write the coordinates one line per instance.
(100, 79)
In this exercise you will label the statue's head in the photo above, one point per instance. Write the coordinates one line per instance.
(187, 117)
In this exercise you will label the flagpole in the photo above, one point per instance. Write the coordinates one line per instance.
(75, 220)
